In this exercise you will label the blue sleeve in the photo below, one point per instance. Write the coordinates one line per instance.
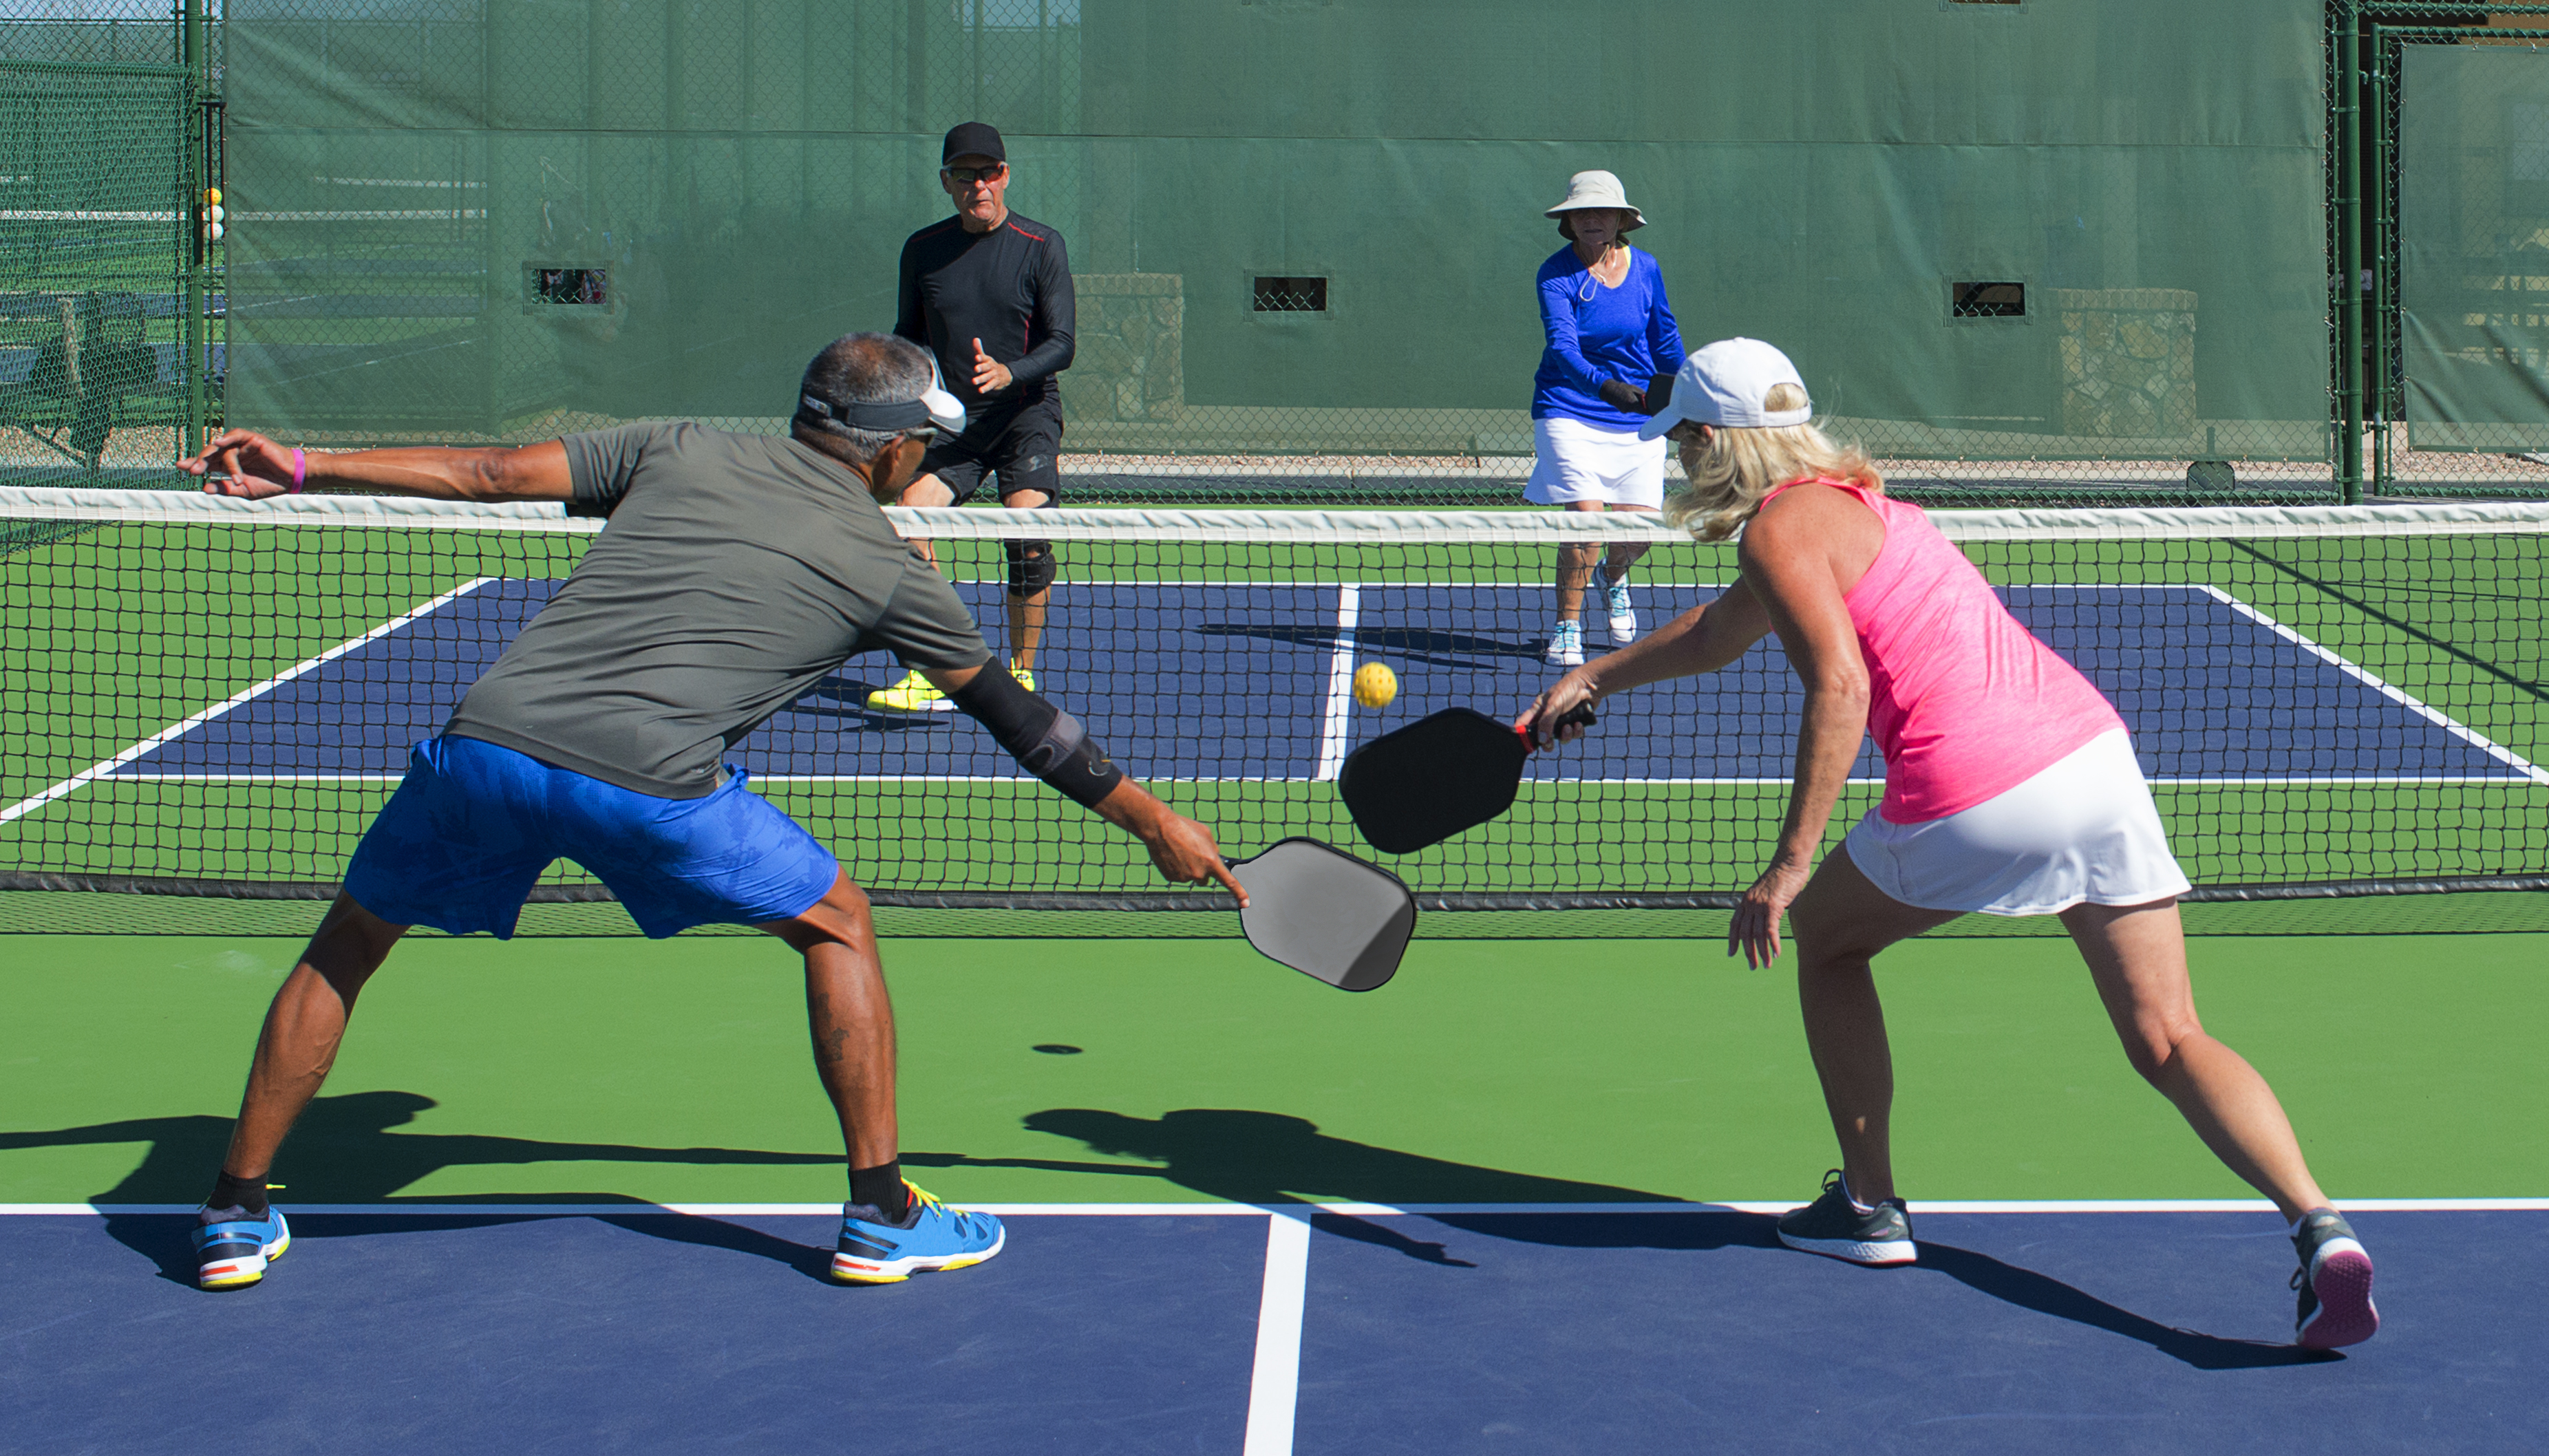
(1557, 320)
(1663, 333)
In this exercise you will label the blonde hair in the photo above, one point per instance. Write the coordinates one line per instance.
(1737, 468)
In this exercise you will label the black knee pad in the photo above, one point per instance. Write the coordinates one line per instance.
(1031, 567)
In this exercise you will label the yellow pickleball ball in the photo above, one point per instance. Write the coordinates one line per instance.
(1375, 684)
(212, 196)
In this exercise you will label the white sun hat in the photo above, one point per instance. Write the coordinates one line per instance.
(1729, 384)
(1598, 190)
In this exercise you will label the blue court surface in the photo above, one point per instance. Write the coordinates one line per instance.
(1204, 680)
(1216, 1329)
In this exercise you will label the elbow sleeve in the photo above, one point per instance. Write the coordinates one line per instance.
(1046, 742)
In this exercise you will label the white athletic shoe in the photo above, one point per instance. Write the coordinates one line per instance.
(1566, 646)
(1615, 599)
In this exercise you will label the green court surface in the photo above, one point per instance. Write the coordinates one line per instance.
(1488, 1071)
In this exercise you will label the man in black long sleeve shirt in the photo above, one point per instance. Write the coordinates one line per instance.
(989, 292)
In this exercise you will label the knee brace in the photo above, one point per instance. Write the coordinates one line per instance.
(1031, 567)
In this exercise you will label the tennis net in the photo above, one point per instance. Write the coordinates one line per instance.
(210, 697)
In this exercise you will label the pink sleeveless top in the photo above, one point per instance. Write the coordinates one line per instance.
(1964, 701)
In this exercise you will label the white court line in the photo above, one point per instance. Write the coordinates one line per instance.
(1291, 1212)
(29, 805)
(1341, 670)
(2448, 724)
(1275, 1378)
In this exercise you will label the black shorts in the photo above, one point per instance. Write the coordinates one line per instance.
(1024, 451)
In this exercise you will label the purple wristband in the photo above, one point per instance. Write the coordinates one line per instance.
(300, 469)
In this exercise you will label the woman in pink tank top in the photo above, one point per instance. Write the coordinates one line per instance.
(2011, 788)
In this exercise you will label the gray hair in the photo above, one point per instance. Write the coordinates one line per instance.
(867, 369)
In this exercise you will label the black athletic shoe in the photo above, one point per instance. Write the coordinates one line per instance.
(2335, 1284)
(1832, 1225)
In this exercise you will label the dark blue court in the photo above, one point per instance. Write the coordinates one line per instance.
(1248, 680)
(1680, 1330)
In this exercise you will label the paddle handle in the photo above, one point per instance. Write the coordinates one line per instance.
(1578, 716)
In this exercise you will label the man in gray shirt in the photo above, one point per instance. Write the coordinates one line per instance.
(736, 571)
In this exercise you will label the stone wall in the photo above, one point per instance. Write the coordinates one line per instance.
(1129, 362)
(2128, 361)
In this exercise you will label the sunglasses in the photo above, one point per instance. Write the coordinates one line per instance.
(970, 175)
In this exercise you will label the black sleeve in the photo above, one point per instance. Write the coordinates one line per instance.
(601, 463)
(1055, 316)
(908, 323)
(1046, 742)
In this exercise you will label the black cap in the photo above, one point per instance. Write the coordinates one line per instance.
(972, 139)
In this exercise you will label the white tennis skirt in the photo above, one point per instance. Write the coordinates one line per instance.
(1585, 461)
(2084, 830)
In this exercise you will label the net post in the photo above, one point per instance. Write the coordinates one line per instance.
(2347, 76)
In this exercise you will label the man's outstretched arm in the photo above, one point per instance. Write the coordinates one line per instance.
(1053, 745)
(244, 463)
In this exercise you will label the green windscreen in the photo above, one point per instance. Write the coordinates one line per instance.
(2051, 230)
(2474, 245)
(93, 238)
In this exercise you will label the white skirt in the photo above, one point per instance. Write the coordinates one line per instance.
(1585, 461)
(2084, 830)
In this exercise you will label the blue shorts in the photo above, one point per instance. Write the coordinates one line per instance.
(472, 825)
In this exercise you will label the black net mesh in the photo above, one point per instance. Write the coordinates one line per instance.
(207, 699)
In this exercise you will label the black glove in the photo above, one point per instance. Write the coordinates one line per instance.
(1621, 394)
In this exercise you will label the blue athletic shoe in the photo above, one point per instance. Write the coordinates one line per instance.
(931, 1236)
(233, 1246)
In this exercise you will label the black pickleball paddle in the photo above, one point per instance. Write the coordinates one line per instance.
(1439, 776)
(1325, 913)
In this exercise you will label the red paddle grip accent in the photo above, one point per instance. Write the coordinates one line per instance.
(1582, 713)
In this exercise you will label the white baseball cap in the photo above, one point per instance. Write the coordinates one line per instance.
(1726, 384)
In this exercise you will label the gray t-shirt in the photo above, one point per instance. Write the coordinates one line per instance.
(736, 571)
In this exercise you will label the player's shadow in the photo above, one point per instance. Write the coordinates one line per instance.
(345, 1150)
(1408, 644)
(2046, 1294)
(1266, 1158)
(1269, 1159)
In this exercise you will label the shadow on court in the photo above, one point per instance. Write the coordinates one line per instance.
(1412, 644)
(345, 1150)
(2029, 1289)
(1270, 1158)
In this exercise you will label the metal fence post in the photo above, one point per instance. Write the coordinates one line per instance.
(2347, 76)
(197, 249)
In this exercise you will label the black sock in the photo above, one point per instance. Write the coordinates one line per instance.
(881, 1188)
(237, 1193)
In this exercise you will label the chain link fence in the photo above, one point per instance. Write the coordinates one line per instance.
(473, 222)
(1298, 278)
(94, 229)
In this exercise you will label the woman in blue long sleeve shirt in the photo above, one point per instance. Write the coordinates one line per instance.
(1610, 331)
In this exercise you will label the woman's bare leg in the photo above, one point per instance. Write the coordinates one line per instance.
(1574, 566)
(1625, 554)
(1840, 922)
(2137, 954)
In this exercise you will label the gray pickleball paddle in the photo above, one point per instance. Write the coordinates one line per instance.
(1325, 913)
